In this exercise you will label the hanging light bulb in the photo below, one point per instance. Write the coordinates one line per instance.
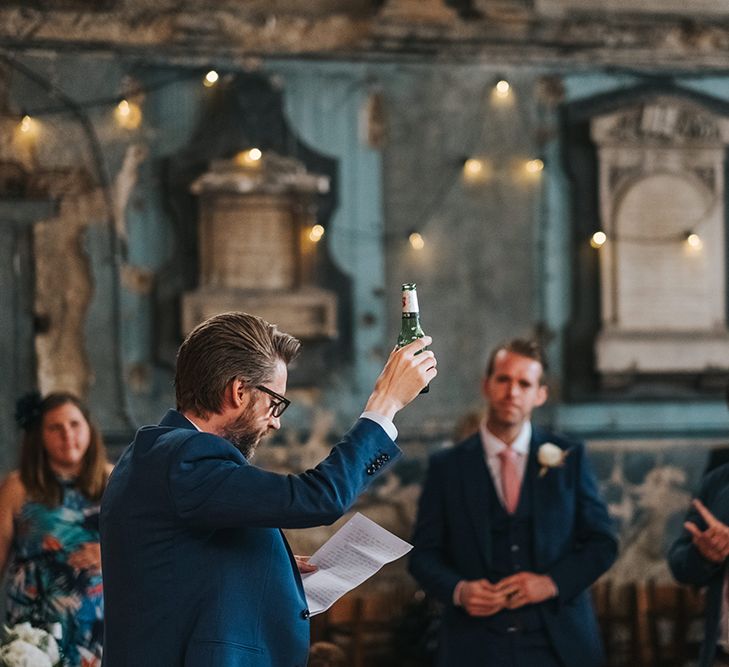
(534, 166)
(316, 233)
(694, 241)
(416, 240)
(477, 170)
(27, 129)
(211, 78)
(502, 88)
(598, 239)
(472, 168)
(128, 114)
(250, 158)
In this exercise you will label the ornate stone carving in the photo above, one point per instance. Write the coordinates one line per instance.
(253, 251)
(665, 123)
(661, 166)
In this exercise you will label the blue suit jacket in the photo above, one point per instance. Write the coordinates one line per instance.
(573, 543)
(690, 567)
(196, 569)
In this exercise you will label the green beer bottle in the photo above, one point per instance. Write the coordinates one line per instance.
(410, 328)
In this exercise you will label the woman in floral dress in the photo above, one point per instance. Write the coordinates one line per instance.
(49, 534)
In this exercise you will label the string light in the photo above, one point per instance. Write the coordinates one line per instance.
(502, 89)
(211, 78)
(416, 240)
(694, 241)
(128, 115)
(250, 158)
(534, 166)
(472, 168)
(26, 125)
(316, 233)
(598, 239)
(477, 170)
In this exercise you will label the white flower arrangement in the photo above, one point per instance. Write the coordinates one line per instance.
(26, 646)
(549, 456)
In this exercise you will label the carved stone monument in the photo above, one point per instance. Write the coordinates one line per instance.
(661, 180)
(254, 254)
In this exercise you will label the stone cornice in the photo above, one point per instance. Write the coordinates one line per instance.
(230, 33)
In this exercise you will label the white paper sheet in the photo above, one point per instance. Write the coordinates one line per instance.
(349, 557)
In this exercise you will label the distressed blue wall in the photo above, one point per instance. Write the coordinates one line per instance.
(496, 260)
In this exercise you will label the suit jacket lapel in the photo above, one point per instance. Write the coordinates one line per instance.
(540, 495)
(476, 478)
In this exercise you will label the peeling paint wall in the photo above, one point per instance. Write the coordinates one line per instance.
(490, 252)
(64, 289)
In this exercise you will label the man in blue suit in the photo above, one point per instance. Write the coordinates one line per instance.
(196, 569)
(700, 556)
(511, 532)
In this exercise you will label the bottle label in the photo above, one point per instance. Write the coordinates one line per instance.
(410, 301)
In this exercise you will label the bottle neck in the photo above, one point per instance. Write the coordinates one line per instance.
(410, 302)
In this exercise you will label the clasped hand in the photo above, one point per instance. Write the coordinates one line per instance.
(482, 598)
(712, 543)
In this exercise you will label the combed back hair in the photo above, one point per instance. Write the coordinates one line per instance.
(227, 347)
(40, 482)
(524, 347)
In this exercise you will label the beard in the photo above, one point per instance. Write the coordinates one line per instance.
(243, 434)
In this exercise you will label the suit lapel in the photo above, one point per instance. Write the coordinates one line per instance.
(540, 495)
(476, 479)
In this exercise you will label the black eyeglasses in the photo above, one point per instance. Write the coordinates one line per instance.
(278, 403)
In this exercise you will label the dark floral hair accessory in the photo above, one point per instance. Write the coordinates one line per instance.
(28, 410)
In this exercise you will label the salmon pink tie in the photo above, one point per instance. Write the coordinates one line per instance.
(510, 483)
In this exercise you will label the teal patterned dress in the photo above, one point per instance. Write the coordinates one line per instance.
(44, 589)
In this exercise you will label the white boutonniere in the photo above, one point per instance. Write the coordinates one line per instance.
(550, 456)
(26, 646)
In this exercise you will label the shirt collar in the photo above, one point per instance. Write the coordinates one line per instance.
(193, 423)
(493, 445)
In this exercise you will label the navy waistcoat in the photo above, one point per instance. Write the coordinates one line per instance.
(512, 552)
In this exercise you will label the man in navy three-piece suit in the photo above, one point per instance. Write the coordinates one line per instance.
(197, 572)
(511, 532)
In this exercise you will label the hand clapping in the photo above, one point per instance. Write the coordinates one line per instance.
(712, 543)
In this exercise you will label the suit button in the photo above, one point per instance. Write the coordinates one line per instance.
(305, 614)
(515, 547)
(511, 628)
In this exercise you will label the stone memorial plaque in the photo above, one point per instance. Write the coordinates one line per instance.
(249, 243)
(253, 215)
(663, 300)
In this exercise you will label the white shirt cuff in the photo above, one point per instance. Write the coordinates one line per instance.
(383, 421)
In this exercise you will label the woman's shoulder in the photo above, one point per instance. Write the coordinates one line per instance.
(12, 491)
